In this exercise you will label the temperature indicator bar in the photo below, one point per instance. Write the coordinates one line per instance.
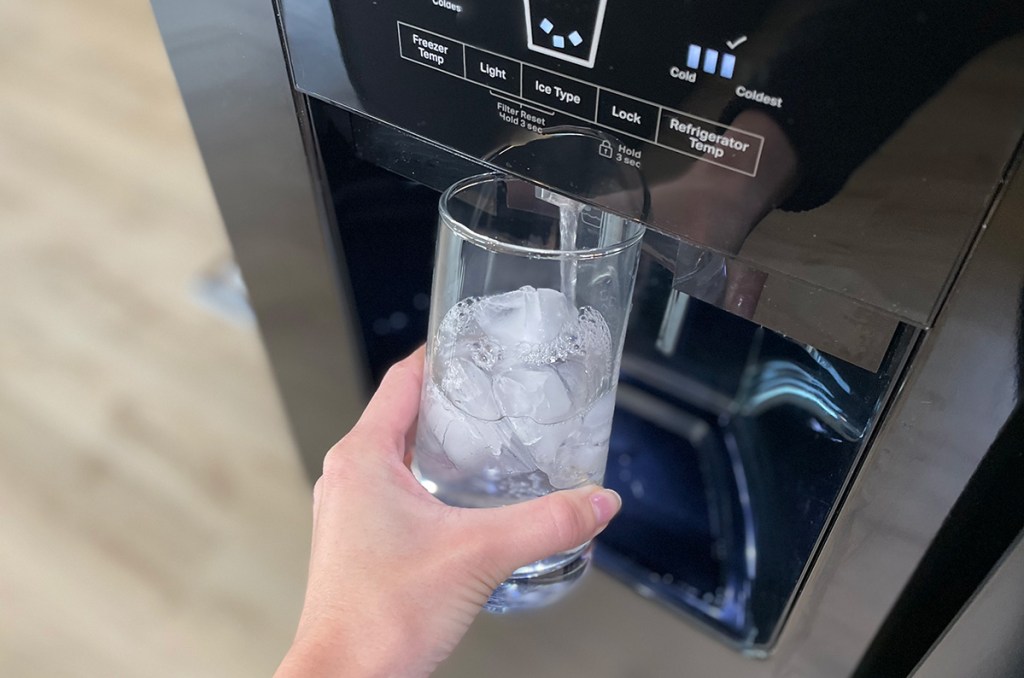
(723, 64)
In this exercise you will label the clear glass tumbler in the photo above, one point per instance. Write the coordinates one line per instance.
(530, 301)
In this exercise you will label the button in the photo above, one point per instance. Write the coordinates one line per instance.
(431, 49)
(718, 144)
(566, 30)
(492, 71)
(561, 94)
(627, 115)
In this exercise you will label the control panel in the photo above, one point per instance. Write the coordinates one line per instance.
(664, 90)
(529, 96)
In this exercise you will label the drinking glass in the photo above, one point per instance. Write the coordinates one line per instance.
(531, 296)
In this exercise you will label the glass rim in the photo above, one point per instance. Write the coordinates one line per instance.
(502, 247)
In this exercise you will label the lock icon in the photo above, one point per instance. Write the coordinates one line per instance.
(605, 149)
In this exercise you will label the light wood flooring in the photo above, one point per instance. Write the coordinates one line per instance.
(153, 515)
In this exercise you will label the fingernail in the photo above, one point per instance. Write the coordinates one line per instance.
(606, 504)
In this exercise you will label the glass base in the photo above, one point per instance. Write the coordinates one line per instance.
(542, 583)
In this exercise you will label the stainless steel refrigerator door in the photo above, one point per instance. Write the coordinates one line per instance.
(957, 394)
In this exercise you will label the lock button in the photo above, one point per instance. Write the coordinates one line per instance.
(626, 114)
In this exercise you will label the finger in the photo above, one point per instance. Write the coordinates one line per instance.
(523, 533)
(317, 493)
(410, 449)
(391, 414)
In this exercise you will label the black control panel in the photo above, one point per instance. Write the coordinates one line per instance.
(536, 98)
(509, 72)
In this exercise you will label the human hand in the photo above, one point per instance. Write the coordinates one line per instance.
(395, 575)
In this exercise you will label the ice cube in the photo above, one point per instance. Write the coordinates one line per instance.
(469, 389)
(597, 422)
(582, 457)
(511, 460)
(434, 415)
(527, 315)
(577, 461)
(467, 442)
(536, 392)
(541, 443)
(569, 472)
(540, 410)
(580, 379)
(485, 353)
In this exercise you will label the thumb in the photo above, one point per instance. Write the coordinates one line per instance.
(541, 527)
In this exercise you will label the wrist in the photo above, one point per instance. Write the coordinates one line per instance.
(322, 656)
(335, 645)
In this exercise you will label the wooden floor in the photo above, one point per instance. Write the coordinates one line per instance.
(153, 516)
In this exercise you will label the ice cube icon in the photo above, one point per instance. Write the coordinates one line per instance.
(578, 45)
